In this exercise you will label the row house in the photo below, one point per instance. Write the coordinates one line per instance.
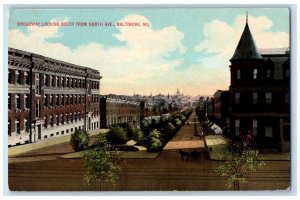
(49, 98)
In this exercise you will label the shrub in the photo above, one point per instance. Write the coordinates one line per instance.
(100, 141)
(155, 134)
(169, 131)
(154, 141)
(79, 140)
(170, 128)
(145, 126)
(182, 117)
(116, 135)
(154, 145)
(138, 136)
(177, 122)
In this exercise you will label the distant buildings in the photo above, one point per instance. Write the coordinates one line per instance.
(117, 109)
(260, 93)
(49, 98)
(177, 100)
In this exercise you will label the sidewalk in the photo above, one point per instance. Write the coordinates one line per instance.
(185, 137)
(18, 150)
(216, 144)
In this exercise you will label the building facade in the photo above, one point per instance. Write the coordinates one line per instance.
(117, 110)
(49, 98)
(221, 107)
(260, 94)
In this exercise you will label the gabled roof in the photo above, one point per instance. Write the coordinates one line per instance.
(246, 48)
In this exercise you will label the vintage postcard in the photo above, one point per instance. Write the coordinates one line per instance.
(149, 99)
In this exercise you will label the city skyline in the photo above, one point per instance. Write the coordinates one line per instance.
(183, 51)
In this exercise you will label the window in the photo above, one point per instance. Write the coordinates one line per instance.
(238, 74)
(75, 99)
(45, 100)
(62, 81)
(26, 101)
(51, 99)
(17, 126)
(237, 127)
(67, 82)
(71, 117)
(67, 100)
(57, 120)
(62, 118)
(67, 118)
(52, 80)
(26, 125)
(269, 73)
(9, 102)
(27, 78)
(71, 82)
(268, 131)
(9, 128)
(56, 82)
(37, 109)
(18, 76)
(37, 83)
(237, 97)
(51, 120)
(17, 101)
(56, 100)
(254, 73)
(287, 73)
(63, 99)
(254, 98)
(45, 79)
(287, 98)
(268, 98)
(9, 75)
(45, 121)
(254, 125)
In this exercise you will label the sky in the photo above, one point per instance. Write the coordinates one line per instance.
(184, 48)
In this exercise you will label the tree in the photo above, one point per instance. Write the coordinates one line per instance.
(79, 140)
(101, 164)
(154, 141)
(117, 135)
(240, 158)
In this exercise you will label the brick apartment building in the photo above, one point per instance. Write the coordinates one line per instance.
(260, 93)
(117, 110)
(49, 98)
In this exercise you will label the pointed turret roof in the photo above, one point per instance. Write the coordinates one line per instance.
(246, 48)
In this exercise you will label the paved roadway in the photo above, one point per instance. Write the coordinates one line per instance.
(44, 170)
